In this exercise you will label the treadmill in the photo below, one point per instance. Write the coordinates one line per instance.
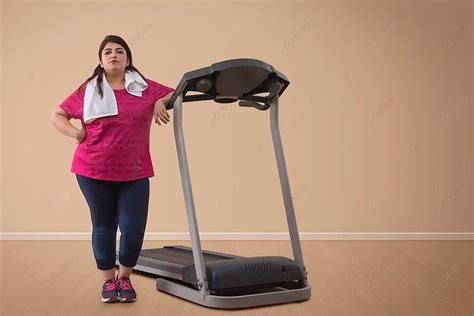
(215, 279)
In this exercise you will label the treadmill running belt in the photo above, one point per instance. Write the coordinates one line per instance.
(178, 255)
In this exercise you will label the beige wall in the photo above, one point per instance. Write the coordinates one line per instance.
(376, 124)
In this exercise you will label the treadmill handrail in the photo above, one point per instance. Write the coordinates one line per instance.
(188, 198)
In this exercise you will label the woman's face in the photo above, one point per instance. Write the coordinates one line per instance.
(114, 58)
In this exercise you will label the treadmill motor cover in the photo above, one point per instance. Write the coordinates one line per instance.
(244, 272)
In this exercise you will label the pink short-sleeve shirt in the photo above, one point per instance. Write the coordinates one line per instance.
(116, 148)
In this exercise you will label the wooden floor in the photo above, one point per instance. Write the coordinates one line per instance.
(347, 278)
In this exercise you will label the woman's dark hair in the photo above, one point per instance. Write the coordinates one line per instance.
(98, 71)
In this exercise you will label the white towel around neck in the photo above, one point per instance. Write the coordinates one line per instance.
(95, 106)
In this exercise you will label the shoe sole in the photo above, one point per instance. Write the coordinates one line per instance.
(127, 299)
(112, 299)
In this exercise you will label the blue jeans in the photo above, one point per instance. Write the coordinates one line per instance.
(112, 204)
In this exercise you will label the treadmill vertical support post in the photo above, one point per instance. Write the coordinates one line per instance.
(284, 182)
(188, 197)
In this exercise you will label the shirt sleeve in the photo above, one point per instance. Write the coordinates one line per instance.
(74, 104)
(158, 90)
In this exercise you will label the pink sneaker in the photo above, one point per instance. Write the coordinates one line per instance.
(126, 293)
(110, 292)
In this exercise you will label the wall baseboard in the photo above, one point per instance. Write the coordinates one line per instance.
(254, 236)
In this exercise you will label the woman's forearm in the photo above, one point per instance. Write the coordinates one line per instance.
(166, 98)
(63, 125)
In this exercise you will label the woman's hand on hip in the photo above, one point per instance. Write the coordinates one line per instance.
(160, 113)
(81, 134)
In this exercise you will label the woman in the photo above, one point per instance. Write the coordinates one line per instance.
(112, 161)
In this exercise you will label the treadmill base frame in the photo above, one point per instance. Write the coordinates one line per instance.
(234, 302)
